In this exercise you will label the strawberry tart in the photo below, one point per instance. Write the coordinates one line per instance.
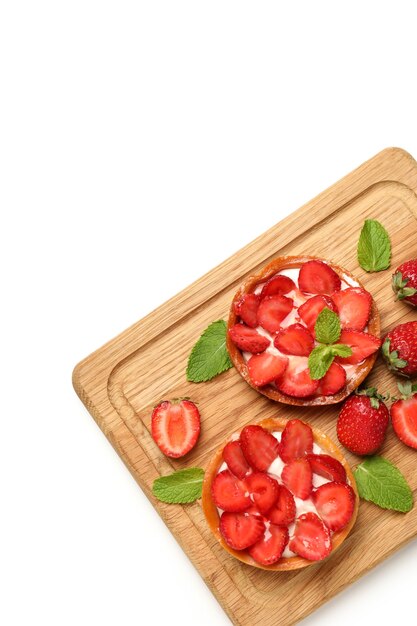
(279, 495)
(272, 330)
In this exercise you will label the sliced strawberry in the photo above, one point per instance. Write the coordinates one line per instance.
(311, 538)
(248, 339)
(294, 339)
(283, 511)
(335, 503)
(296, 441)
(296, 379)
(229, 493)
(272, 310)
(333, 381)
(266, 368)
(259, 447)
(298, 478)
(362, 344)
(247, 308)
(404, 420)
(328, 467)
(278, 285)
(241, 530)
(235, 459)
(175, 427)
(269, 549)
(354, 307)
(318, 277)
(264, 490)
(309, 311)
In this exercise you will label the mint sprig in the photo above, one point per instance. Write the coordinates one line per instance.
(327, 330)
(382, 483)
(374, 247)
(181, 487)
(209, 356)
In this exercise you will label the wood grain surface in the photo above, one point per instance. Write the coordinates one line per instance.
(123, 380)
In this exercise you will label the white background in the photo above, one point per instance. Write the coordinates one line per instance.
(142, 143)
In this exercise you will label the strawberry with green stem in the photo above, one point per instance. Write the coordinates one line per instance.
(404, 282)
(363, 421)
(400, 349)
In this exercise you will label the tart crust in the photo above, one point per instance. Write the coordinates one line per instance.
(284, 564)
(249, 285)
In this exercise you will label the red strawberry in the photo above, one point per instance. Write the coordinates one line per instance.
(296, 380)
(333, 381)
(404, 282)
(295, 339)
(309, 311)
(259, 447)
(241, 530)
(296, 441)
(283, 511)
(278, 285)
(400, 349)
(297, 477)
(272, 310)
(235, 459)
(229, 493)
(335, 503)
(175, 427)
(362, 344)
(363, 422)
(264, 490)
(247, 308)
(269, 549)
(266, 368)
(354, 307)
(404, 414)
(318, 277)
(327, 466)
(248, 339)
(311, 538)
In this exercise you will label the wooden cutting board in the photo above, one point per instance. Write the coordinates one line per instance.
(123, 380)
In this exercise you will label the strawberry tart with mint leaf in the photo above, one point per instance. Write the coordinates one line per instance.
(272, 331)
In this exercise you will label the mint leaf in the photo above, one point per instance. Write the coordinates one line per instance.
(374, 247)
(379, 481)
(180, 487)
(319, 361)
(327, 327)
(209, 357)
(342, 350)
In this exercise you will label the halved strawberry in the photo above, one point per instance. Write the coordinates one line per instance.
(296, 441)
(298, 478)
(175, 427)
(311, 538)
(264, 490)
(318, 277)
(278, 285)
(266, 368)
(294, 339)
(335, 503)
(296, 379)
(247, 308)
(229, 493)
(248, 339)
(327, 466)
(354, 307)
(241, 530)
(272, 310)
(259, 447)
(362, 344)
(333, 381)
(309, 311)
(404, 419)
(269, 549)
(283, 511)
(235, 459)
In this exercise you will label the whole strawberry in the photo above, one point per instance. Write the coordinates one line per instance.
(363, 422)
(400, 349)
(404, 282)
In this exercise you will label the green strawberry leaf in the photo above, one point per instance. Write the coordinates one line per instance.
(374, 247)
(181, 487)
(327, 327)
(379, 481)
(209, 357)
